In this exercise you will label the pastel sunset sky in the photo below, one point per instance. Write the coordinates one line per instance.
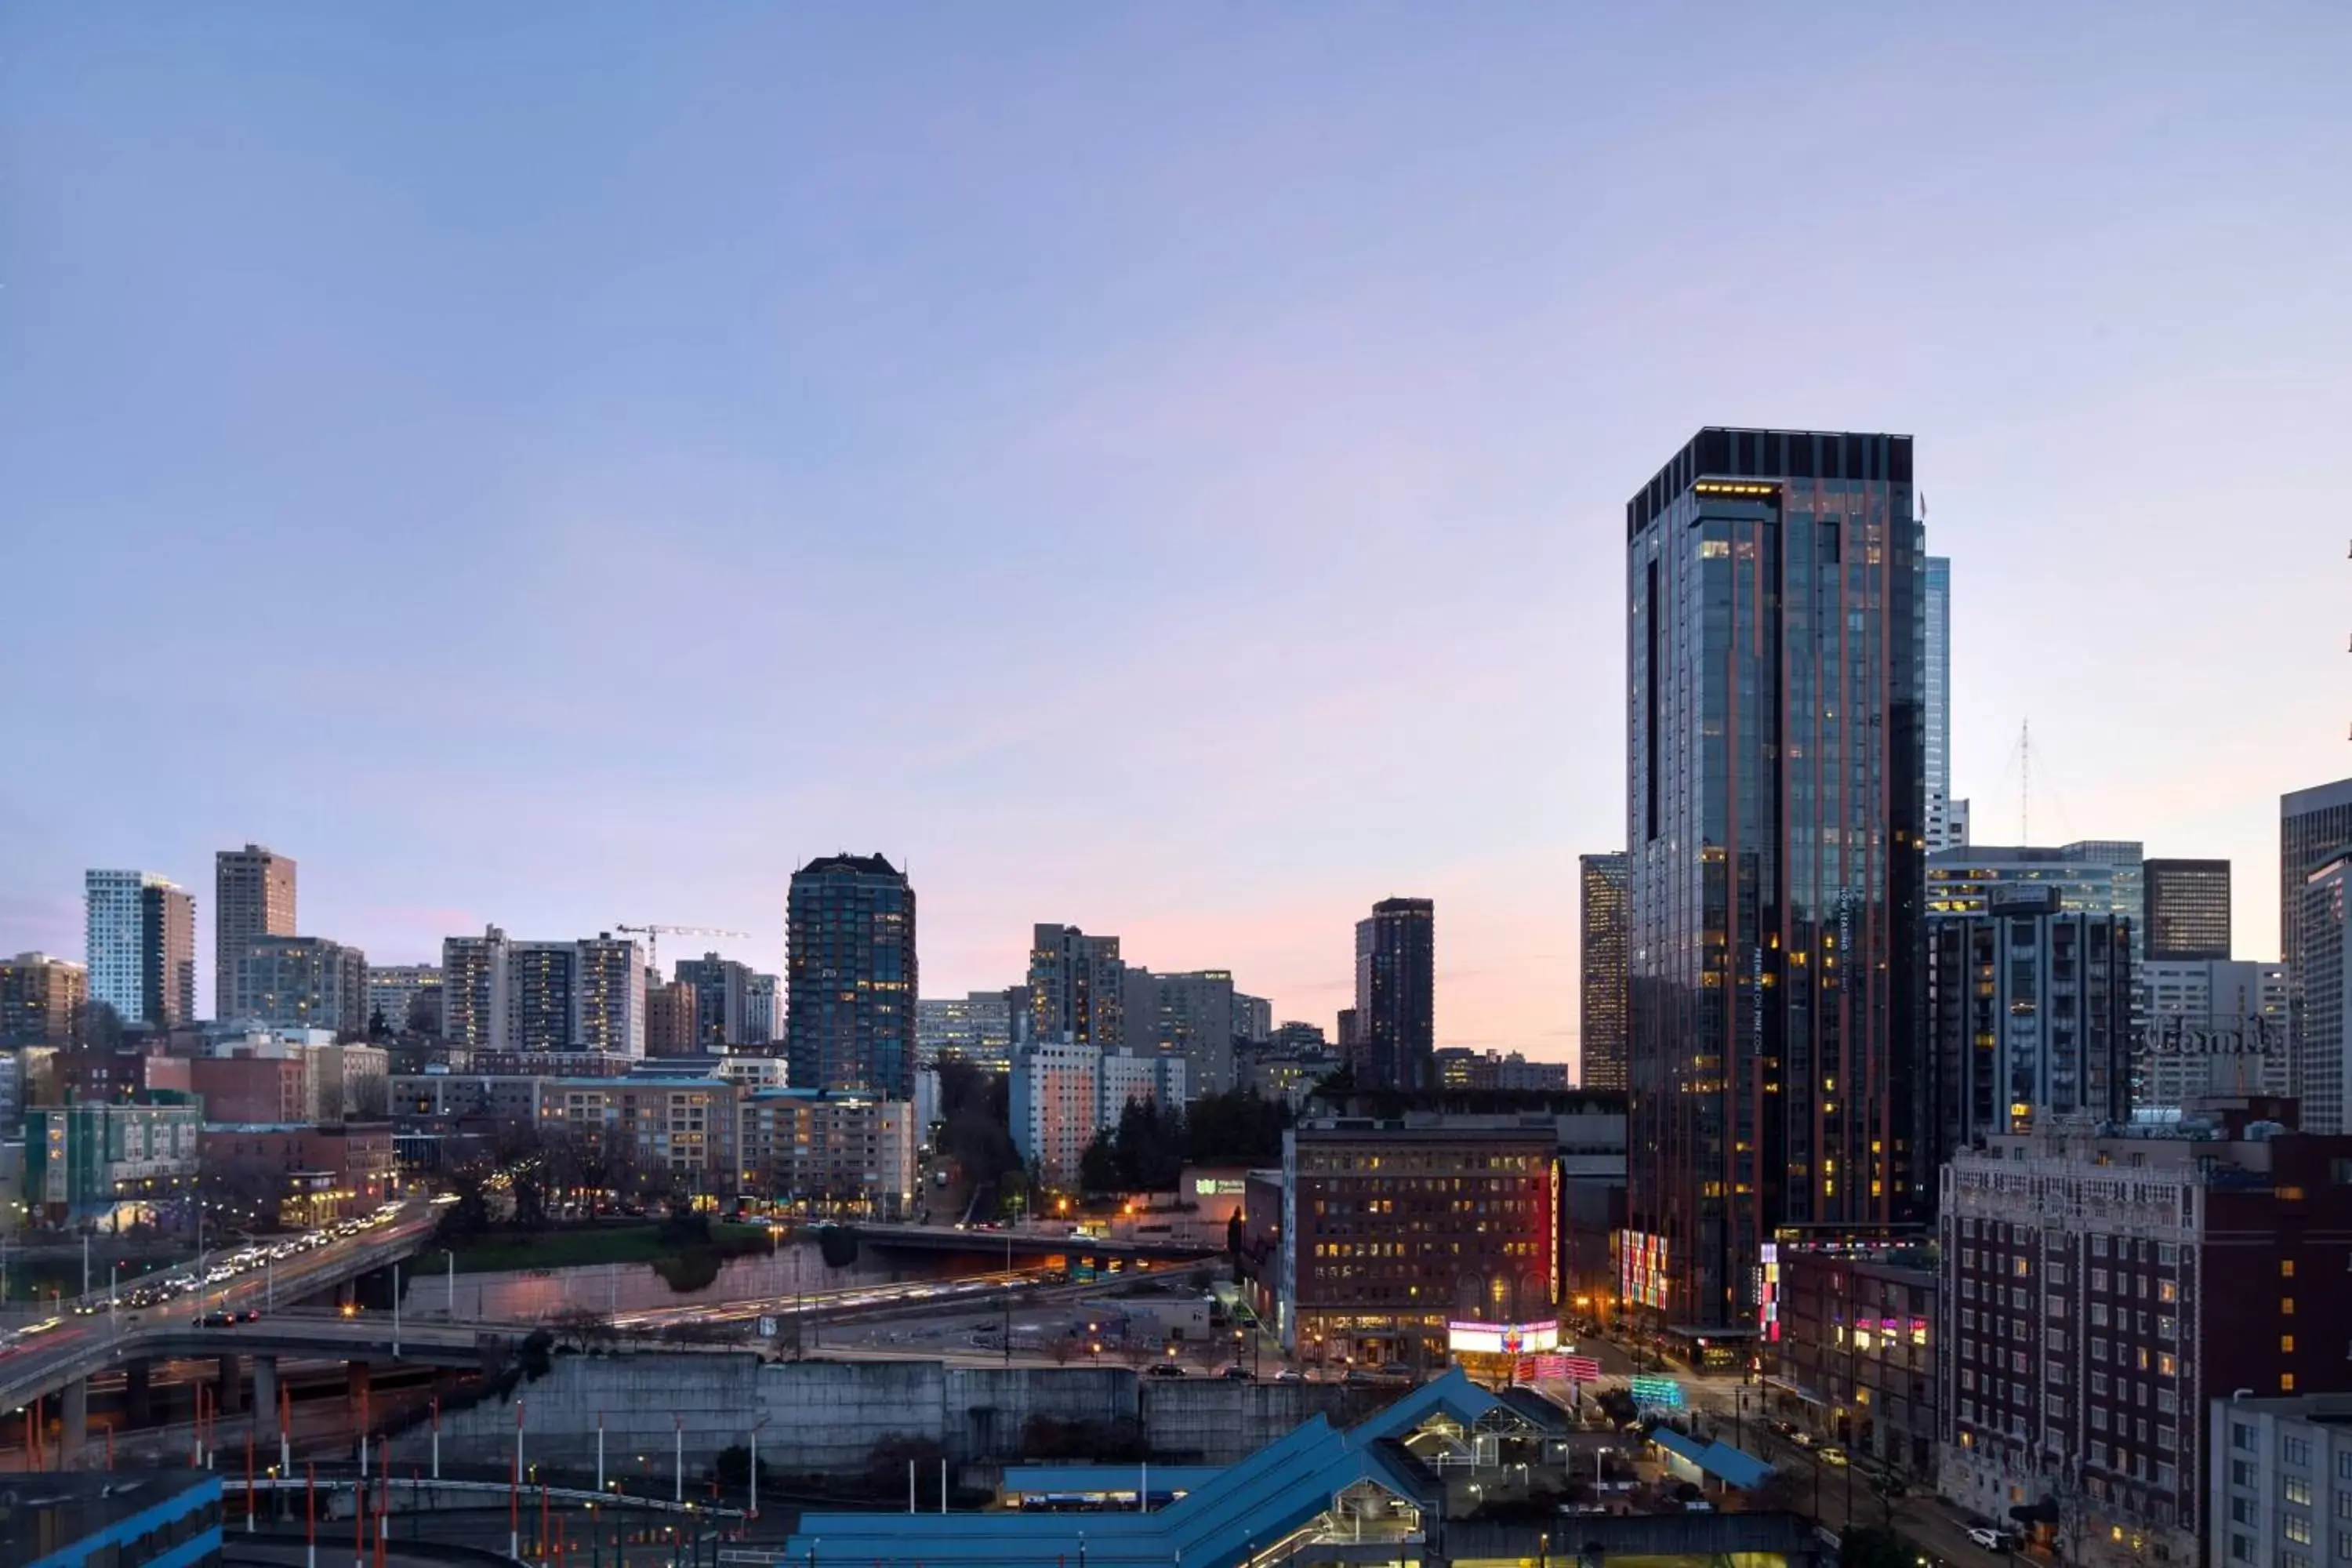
(1156, 467)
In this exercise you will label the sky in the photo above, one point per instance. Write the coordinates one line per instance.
(1160, 470)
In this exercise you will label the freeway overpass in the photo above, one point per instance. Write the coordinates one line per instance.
(62, 1356)
(1028, 1241)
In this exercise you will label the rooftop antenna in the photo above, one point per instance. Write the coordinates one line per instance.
(2025, 781)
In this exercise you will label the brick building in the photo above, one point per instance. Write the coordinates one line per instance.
(1857, 1348)
(253, 1088)
(320, 1173)
(1395, 1232)
(2101, 1284)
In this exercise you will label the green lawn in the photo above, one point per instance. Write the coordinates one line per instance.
(570, 1249)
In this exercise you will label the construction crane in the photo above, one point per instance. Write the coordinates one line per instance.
(653, 935)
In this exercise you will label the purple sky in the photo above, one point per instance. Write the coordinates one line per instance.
(1160, 470)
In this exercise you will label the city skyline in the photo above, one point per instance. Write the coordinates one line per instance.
(693, 404)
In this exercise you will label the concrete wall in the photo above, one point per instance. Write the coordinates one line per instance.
(828, 1416)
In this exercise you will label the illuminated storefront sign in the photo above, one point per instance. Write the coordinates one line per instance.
(1502, 1339)
(1768, 1294)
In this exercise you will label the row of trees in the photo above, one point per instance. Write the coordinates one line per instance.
(1152, 1143)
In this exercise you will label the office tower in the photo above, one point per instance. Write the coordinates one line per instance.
(253, 896)
(851, 973)
(474, 990)
(1935, 704)
(2028, 1011)
(299, 982)
(2215, 1026)
(721, 997)
(40, 999)
(976, 1027)
(141, 931)
(2102, 1295)
(608, 996)
(1395, 979)
(1076, 987)
(1348, 1034)
(763, 1012)
(1252, 1018)
(1601, 1022)
(2188, 910)
(2314, 826)
(671, 1017)
(1775, 809)
(1194, 1016)
(396, 993)
(2320, 999)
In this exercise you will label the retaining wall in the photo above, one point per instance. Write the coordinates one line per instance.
(819, 1417)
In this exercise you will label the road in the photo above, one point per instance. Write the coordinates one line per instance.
(45, 1359)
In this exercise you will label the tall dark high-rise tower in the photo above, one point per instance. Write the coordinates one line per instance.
(2314, 826)
(1600, 972)
(1396, 1036)
(850, 967)
(1775, 808)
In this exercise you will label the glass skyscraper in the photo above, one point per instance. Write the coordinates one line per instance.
(1396, 957)
(1601, 973)
(850, 975)
(1775, 808)
(142, 934)
(1948, 819)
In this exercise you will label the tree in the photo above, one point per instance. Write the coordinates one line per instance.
(96, 1025)
(1239, 1127)
(377, 1028)
(1098, 1167)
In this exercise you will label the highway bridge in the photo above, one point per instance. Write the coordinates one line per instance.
(1027, 1241)
(59, 1359)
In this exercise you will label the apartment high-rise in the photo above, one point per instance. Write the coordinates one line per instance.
(1194, 1015)
(40, 999)
(474, 990)
(396, 991)
(1775, 813)
(975, 1027)
(501, 995)
(671, 1016)
(763, 1010)
(1077, 986)
(1600, 975)
(141, 931)
(722, 992)
(2093, 875)
(253, 896)
(1252, 1018)
(2030, 1012)
(299, 982)
(851, 973)
(1396, 948)
(2188, 910)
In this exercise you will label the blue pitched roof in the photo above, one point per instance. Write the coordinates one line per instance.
(1276, 1490)
(1734, 1466)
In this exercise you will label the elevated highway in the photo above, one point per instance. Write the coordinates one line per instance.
(60, 1357)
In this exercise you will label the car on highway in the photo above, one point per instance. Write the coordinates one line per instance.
(1235, 1374)
(1163, 1369)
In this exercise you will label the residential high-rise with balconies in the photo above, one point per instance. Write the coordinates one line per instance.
(501, 995)
(850, 971)
(141, 931)
(40, 999)
(1600, 975)
(1077, 987)
(2029, 1009)
(300, 983)
(1396, 984)
(1775, 817)
(253, 896)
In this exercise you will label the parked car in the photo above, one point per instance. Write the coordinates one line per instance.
(1830, 1453)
